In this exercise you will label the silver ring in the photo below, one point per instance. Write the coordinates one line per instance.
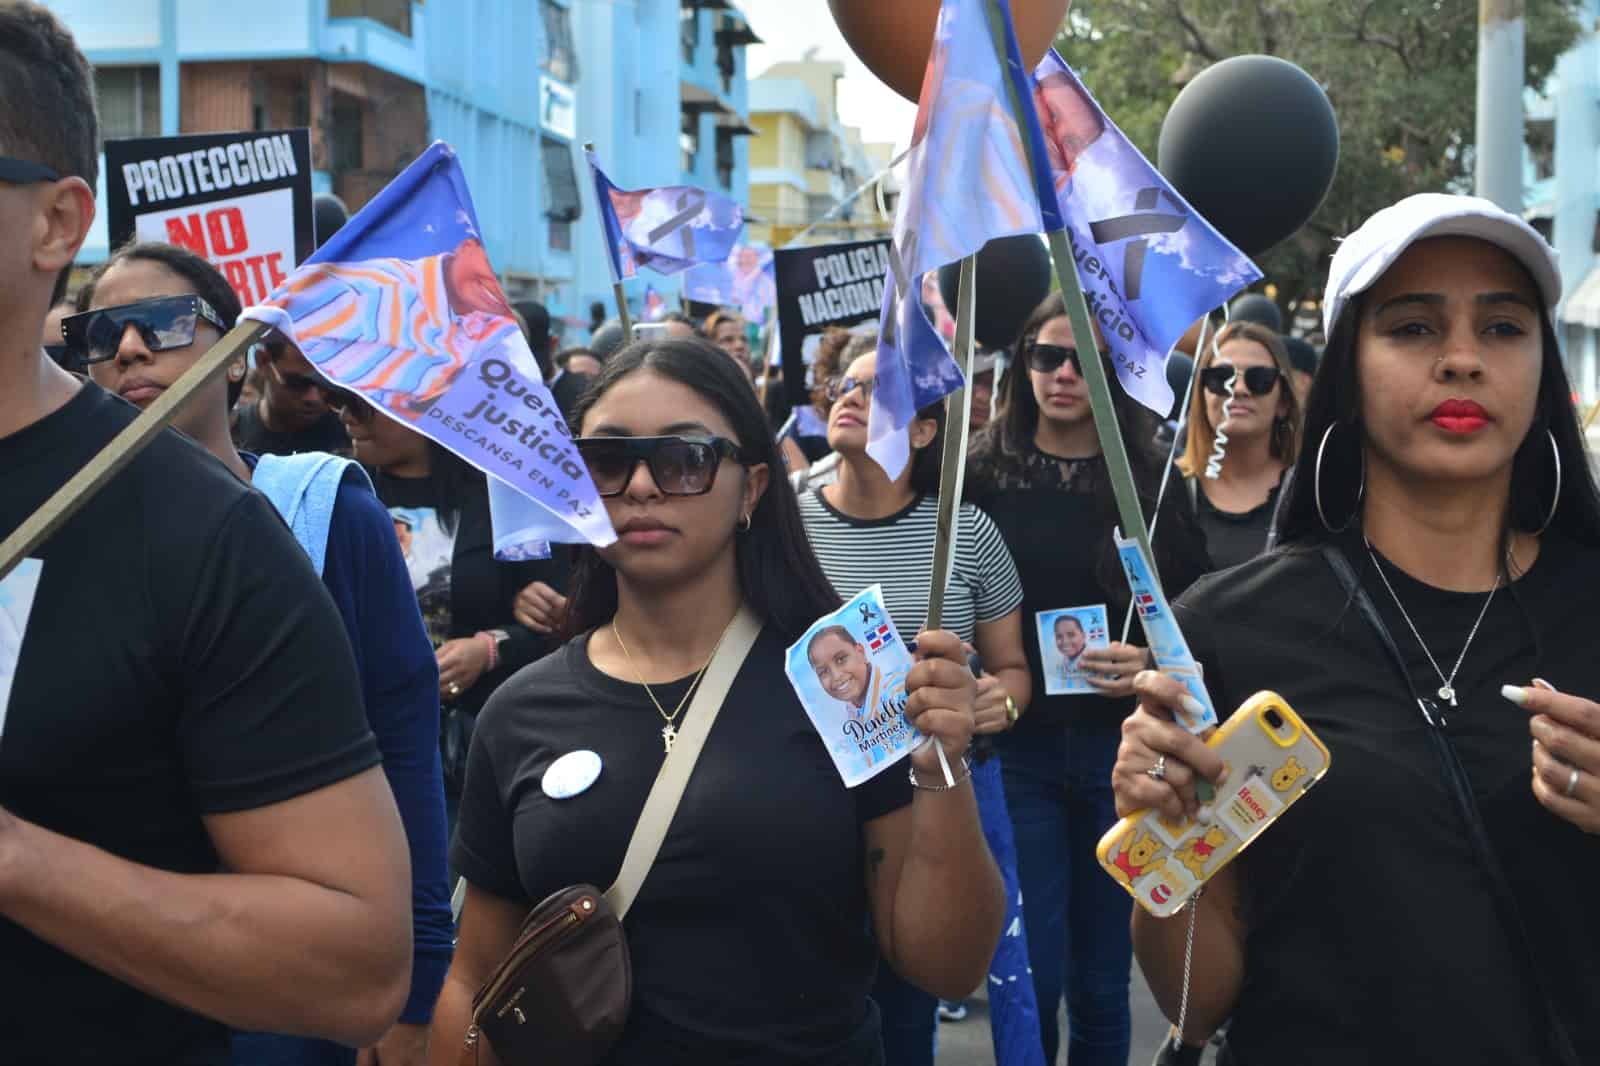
(1572, 783)
(1158, 772)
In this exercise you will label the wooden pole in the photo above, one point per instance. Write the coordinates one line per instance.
(110, 460)
(622, 311)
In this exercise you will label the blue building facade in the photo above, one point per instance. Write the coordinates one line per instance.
(376, 81)
(665, 101)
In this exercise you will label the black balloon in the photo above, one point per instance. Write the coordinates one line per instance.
(1013, 278)
(1252, 143)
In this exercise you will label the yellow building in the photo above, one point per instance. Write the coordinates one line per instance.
(804, 163)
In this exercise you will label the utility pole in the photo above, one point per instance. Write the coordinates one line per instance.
(1499, 140)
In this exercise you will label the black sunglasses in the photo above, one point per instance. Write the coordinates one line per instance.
(681, 466)
(1047, 358)
(66, 357)
(840, 387)
(163, 322)
(345, 402)
(300, 382)
(1260, 380)
(24, 172)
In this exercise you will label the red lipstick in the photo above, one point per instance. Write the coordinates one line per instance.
(1460, 416)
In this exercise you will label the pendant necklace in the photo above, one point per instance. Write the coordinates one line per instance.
(669, 732)
(1447, 685)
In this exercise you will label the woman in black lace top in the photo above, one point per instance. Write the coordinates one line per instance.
(1038, 472)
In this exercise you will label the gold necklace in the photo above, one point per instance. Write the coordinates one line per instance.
(669, 732)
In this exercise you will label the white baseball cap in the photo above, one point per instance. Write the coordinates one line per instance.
(1363, 256)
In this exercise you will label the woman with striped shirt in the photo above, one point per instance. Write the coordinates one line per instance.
(867, 529)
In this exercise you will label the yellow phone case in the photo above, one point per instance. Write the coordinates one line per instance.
(1273, 759)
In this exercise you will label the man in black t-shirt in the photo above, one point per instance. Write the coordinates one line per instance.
(292, 415)
(194, 832)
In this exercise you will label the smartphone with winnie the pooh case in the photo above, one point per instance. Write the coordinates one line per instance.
(1273, 759)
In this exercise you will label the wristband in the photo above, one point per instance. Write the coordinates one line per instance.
(491, 640)
(966, 772)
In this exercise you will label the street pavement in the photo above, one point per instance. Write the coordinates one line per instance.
(967, 1043)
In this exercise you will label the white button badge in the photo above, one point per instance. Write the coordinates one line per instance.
(571, 774)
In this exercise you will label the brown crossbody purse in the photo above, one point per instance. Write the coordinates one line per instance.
(561, 996)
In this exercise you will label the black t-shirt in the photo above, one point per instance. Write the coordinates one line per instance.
(1055, 518)
(1233, 538)
(1373, 933)
(326, 434)
(749, 936)
(178, 662)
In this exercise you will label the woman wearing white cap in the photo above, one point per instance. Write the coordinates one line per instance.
(1431, 901)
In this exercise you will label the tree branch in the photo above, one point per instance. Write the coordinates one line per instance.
(1197, 41)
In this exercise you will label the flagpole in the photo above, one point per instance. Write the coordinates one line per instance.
(110, 460)
(622, 311)
(605, 235)
(1129, 513)
(953, 462)
(1172, 453)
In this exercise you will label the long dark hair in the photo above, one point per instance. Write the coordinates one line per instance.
(1336, 401)
(206, 281)
(1180, 549)
(778, 574)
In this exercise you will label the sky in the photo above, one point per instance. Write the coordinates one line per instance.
(790, 27)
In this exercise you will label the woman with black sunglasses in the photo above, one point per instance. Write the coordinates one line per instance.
(152, 310)
(749, 938)
(1247, 373)
(1038, 472)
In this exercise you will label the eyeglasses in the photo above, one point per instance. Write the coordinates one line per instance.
(66, 357)
(1260, 380)
(163, 322)
(841, 387)
(681, 466)
(24, 171)
(1047, 358)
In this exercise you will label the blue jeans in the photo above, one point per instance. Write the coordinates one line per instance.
(1058, 787)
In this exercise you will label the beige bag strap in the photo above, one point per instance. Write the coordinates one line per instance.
(662, 803)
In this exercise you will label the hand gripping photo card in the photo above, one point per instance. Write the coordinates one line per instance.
(1161, 630)
(1064, 635)
(849, 670)
(1273, 759)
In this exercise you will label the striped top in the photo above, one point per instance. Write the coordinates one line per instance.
(897, 553)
